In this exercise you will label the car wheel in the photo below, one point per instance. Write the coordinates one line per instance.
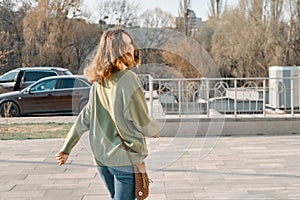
(82, 104)
(9, 109)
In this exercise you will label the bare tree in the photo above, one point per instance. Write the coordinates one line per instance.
(156, 18)
(118, 12)
(153, 35)
(292, 52)
(247, 40)
(276, 10)
(11, 32)
(184, 9)
(84, 38)
(47, 31)
(3, 55)
(187, 57)
(296, 36)
(215, 7)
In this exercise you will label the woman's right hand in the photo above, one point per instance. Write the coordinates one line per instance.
(61, 158)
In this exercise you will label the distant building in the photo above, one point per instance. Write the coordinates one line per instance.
(194, 23)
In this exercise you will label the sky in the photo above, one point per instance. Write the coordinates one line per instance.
(201, 7)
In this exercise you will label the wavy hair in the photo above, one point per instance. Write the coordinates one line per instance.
(112, 55)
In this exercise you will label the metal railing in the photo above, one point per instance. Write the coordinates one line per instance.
(227, 96)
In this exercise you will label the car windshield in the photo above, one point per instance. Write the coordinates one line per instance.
(10, 76)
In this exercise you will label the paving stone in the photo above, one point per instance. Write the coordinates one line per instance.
(263, 167)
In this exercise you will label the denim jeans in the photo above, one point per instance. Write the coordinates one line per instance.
(119, 181)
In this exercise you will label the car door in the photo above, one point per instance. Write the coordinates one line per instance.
(69, 93)
(7, 81)
(40, 97)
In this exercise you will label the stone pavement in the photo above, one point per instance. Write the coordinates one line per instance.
(261, 167)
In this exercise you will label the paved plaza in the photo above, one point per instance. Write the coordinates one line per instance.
(260, 167)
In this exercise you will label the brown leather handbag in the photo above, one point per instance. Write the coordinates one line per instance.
(142, 181)
(141, 178)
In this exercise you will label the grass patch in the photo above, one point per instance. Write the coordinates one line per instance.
(34, 131)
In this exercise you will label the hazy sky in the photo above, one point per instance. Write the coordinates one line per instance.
(201, 7)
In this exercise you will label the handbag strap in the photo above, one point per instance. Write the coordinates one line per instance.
(114, 123)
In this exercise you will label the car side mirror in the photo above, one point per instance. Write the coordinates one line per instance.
(29, 90)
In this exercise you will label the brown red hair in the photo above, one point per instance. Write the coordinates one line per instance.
(111, 55)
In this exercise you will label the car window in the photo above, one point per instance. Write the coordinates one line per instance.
(10, 76)
(36, 75)
(80, 83)
(66, 83)
(44, 86)
(71, 83)
(67, 72)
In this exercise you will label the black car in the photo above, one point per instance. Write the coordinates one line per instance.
(56, 94)
(20, 78)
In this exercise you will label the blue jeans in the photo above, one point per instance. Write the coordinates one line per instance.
(119, 181)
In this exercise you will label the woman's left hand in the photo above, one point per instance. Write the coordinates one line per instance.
(61, 158)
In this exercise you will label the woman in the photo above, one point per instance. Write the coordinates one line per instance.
(116, 96)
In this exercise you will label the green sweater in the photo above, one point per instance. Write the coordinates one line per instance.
(125, 97)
